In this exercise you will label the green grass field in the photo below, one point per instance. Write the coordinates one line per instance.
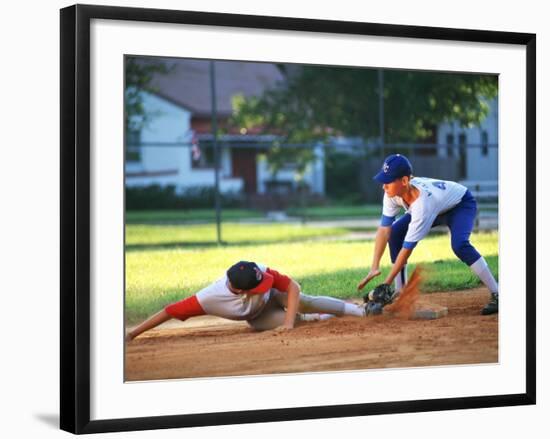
(333, 212)
(191, 215)
(149, 237)
(150, 217)
(167, 263)
(230, 214)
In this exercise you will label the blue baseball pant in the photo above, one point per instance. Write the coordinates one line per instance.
(460, 220)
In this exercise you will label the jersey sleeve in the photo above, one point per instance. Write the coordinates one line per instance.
(390, 209)
(421, 223)
(188, 307)
(280, 281)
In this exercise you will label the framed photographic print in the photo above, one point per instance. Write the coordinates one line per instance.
(229, 185)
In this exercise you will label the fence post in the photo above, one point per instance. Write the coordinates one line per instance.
(216, 152)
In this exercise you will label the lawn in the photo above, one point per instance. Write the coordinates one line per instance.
(230, 214)
(150, 237)
(160, 269)
(191, 215)
(334, 212)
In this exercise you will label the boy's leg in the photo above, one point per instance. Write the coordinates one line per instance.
(271, 317)
(323, 305)
(401, 279)
(461, 223)
(398, 232)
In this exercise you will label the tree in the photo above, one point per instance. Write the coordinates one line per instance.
(280, 156)
(138, 74)
(317, 102)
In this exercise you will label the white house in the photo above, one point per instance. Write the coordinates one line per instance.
(477, 146)
(176, 148)
(162, 152)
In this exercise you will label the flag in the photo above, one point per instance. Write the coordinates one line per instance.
(195, 148)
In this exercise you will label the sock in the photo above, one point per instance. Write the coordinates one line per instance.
(400, 279)
(351, 309)
(481, 268)
(326, 316)
(314, 317)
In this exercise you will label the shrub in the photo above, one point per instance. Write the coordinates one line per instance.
(341, 174)
(155, 197)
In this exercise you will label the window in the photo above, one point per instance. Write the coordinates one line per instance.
(289, 166)
(450, 140)
(133, 145)
(462, 155)
(484, 143)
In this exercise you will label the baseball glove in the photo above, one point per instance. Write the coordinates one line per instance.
(378, 298)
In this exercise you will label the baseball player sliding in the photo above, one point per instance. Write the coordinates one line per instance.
(263, 297)
(427, 203)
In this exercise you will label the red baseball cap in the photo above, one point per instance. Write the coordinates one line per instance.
(248, 276)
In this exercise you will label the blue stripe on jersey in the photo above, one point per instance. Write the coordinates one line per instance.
(409, 245)
(386, 221)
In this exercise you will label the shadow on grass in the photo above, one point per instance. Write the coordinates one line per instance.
(176, 245)
(197, 245)
(344, 237)
(442, 275)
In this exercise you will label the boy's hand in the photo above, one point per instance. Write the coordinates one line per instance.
(282, 329)
(372, 274)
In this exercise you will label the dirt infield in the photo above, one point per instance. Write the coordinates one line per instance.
(209, 346)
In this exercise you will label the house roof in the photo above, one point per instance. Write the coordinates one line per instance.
(188, 83)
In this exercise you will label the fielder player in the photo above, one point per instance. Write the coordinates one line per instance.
(263, 297)
(427, 203)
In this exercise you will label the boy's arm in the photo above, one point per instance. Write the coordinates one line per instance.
(292, 288)
(293, 299)
(399, 263)
(150, 323)
(419, 227)
(182, 310)
(380, 243)
(381, 240)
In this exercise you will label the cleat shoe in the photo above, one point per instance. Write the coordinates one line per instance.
(373, 308)
(492, 306)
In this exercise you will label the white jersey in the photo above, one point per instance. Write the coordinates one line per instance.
(218, 300)
(436, 197)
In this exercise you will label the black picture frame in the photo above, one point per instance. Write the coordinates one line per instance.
(75, 218)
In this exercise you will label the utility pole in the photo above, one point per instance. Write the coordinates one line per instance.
(216, 152)
(381, 110)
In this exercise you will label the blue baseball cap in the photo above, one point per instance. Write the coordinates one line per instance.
(395, 166)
